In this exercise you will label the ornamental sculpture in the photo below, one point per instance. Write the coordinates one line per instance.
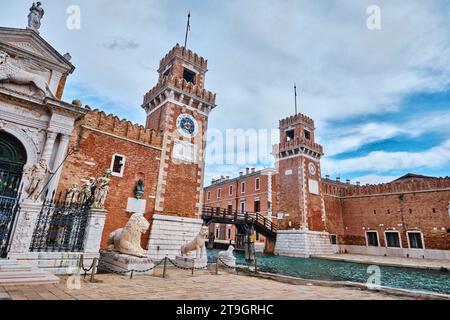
(101, 190)
(35, 16)
(198, 244)
(139, 189)
(13, 70)
(127, 240)
(86, 190)
(36, 175)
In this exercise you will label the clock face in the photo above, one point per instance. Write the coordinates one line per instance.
(312, 168)
(187, 125)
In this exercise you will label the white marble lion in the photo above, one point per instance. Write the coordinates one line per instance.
(12, 71)
(198, 244)
(127, 240)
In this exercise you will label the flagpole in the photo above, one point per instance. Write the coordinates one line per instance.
(295, 93)
(188, 27)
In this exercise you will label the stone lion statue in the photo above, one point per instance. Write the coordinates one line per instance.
(226, 254)
(198, 244)
(12, 71)
(127, 240)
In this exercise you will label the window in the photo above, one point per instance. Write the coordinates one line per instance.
(392, 239)
(290, 135)
(208, 195)
(219, 193)
(434, 210)
(333, 239)
(372, 239)
(374, 211)
(189, 76)
(243, 187)
(389, 211)
(230, 191)
(117, 165)
(257, 206)
(410, 210)
(257, 183)
(307, 135)
(229, 232)
(230, 208)
(242, 206)
(415, 240)
(217, 232)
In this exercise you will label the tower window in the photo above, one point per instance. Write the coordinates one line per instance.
(243, 187)
(290, 135)
(208, 195)
(117, 165)
(434, 210)
(257, 184)
(230, 191)
(307, 135)
(219, 193)
(189, 76)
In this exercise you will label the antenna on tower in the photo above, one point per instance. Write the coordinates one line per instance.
(188, 28)
(295, 94)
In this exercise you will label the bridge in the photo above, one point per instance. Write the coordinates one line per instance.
(246, 223)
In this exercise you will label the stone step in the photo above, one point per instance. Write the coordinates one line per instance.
(23, 274)
(29, 281)
(14, 273)
(15, 267)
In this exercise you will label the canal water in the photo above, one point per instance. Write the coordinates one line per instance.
(322, 269)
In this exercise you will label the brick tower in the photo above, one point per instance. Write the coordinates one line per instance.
(178, 106)
(300, 189)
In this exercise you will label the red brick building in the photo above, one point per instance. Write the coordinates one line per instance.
(251, 191)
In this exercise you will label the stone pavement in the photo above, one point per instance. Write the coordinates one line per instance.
(180, 284)
(390, 261)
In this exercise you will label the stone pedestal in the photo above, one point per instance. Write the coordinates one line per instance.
(94, 230)
(191, 262)
(227, 261)
(303, 243)
(24, 227)
(118, 262)
(169, 233)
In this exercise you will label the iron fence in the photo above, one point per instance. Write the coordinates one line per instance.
(61, 224)
(9, 208)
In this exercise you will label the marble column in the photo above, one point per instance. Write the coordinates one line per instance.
(48, 147)
(60, 156)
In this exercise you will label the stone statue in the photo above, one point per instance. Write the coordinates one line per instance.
(198, 244)
(36, 176)
(227, 257)
(127, 240)
(86, 189)
(72, 194)
(35, 16)
(139, 189)
(101, 190)
(13, 70)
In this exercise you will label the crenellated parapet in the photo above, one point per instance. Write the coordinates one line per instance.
(181, 90)
(295, 120)
(184, 54)
(338, 189)
(296, 143)
(99, 120)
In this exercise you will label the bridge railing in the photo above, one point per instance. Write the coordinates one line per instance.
(237, 216)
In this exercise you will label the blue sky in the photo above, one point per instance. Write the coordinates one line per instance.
(380, 98)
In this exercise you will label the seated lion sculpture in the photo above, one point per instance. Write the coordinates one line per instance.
(198, 244)
(127, 240)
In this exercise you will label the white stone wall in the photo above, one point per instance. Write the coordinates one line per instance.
(302, 243)
(169, 233)
(400, 252)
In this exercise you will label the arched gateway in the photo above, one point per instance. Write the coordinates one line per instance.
(12, 160)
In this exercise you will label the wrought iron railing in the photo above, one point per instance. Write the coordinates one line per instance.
(9, 208)
(61, 224)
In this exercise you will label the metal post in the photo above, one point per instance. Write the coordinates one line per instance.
(193, 270)
(131, 275)
(217, 265)
(256, 265)
(165, 266)
(94, 269)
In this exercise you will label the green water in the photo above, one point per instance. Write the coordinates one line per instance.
(321, 269)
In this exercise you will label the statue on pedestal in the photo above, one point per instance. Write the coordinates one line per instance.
(101, 190)
(86, 189)
(35, 16)
(36, 175)
(127, 240)
(198, 244)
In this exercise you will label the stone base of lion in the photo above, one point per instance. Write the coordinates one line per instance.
(127, 240)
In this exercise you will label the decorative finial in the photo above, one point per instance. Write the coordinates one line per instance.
(35, 16)
(295, 93)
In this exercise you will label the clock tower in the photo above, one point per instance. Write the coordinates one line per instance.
(178, 106)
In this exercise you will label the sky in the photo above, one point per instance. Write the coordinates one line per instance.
(380, 98)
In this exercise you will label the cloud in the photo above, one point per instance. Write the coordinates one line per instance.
(121, 44)
(374, 179)
(381, 161)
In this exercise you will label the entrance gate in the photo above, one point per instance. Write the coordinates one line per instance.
(12, 160)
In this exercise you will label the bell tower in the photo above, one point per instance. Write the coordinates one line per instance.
(178, 106)
(298, 161)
